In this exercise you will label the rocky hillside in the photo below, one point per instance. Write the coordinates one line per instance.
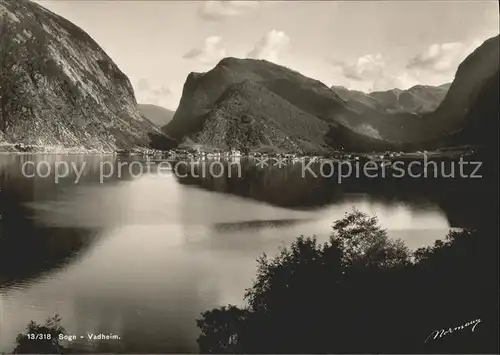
(249, 116)
(159, 116)
(58, 88)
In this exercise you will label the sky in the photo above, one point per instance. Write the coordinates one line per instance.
(361, 45)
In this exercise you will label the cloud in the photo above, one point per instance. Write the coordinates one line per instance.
(161, 91)
(210, 53)
(221, 10)
(371, 72)
(437, 57)
(270, 46)
(143, 85)
(161, 95)
(405, 81)
(369, 66)
(442, 57)
(436, 65)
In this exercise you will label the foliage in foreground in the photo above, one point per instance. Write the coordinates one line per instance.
(41, 338)
(363, 292)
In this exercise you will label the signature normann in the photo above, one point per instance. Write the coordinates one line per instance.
(443, 332)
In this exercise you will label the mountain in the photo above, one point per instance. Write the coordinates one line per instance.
(159, 116)
(58, 88)
(474, 83)
(418, 99)
(304, 110)
(242, 102)
(481, 123)
(445, 86)
(481, 118)
(249, 116)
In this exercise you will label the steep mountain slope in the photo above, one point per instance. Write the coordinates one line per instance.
(59, 88)
(249, 116)
(481, 123)
(159, 116)
(474, 76)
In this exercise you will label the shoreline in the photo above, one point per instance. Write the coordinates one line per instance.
(22, 149)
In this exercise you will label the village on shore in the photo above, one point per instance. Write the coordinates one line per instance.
(201, 154)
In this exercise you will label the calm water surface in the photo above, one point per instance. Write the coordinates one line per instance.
(142, 257)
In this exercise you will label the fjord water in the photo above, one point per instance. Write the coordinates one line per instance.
(142, 257)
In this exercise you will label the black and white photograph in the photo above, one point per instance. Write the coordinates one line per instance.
(254, 177)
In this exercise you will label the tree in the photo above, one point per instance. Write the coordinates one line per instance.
(366, 244)
(309, 291)
(221, 330)
(41, 339)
